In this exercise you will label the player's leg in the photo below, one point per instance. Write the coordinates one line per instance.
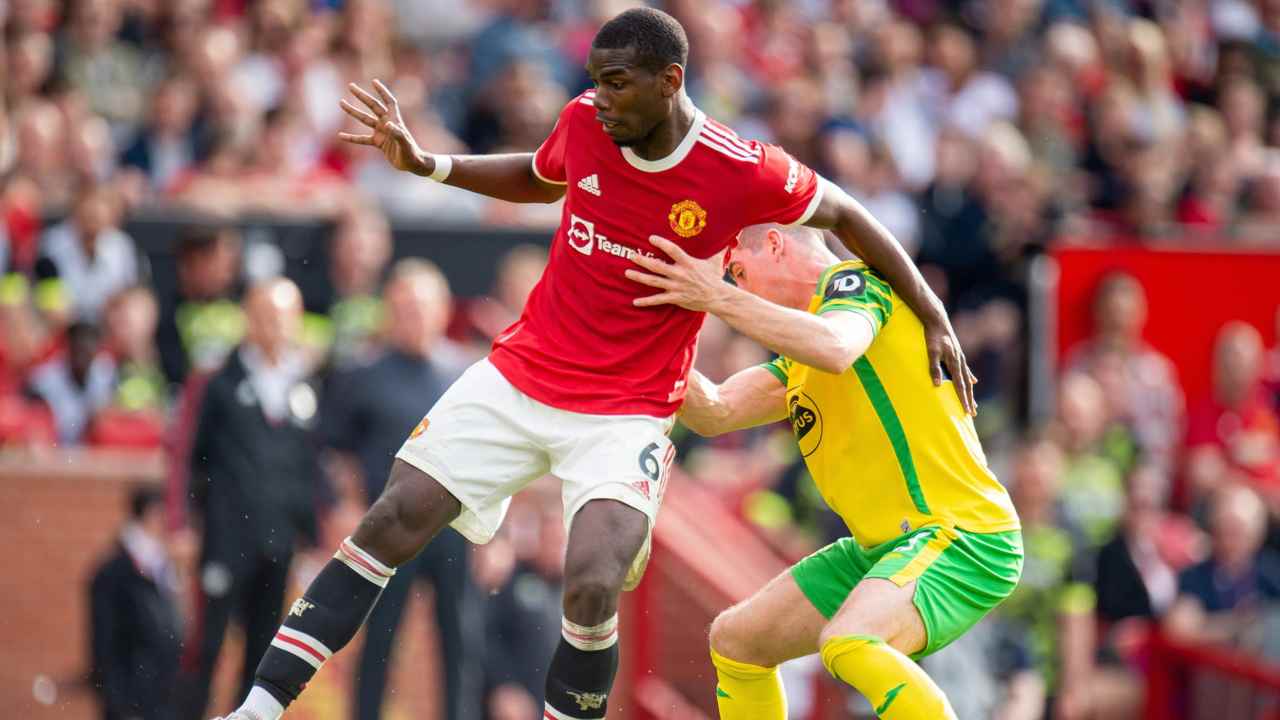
(927, 589)
(412, 509)
(604, 539)
(750, 640)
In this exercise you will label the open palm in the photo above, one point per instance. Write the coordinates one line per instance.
(390, 135)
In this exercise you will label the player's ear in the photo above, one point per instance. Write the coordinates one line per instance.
(672, 80)
(776, 242)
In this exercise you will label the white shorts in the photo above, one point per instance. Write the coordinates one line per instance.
(484, 441)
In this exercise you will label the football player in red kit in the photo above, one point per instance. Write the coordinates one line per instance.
(585, 384)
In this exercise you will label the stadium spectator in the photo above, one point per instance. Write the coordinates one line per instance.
(358, 255)
(39, 146)
(201, 320)
(253, 486)
(137, 413)
(134, 618)
(518, 271)
(166, 147)
(89, 254)
(1219, 598)
(1053, 603)
(961, 93)
(368, 412)
(76, 383)
(1096, 458)
(113, 75)
(28, 65)
(987, 673)
(1235, 431)
(1141, 383)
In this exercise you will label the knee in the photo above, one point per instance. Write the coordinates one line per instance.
(730, 639)
(590, 598)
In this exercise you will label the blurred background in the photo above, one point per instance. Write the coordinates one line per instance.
(1093, 186)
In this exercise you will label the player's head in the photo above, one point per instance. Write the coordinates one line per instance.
(780, 264)
(637, 62)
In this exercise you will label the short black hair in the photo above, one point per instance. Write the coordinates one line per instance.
(142, 498)
(658, 38)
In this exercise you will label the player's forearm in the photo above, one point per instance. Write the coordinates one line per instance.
(876, 246)
(703, 411)
(801, 336)
(504, 177)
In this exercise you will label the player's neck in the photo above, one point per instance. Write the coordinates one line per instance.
(667, 135)
(805, 281)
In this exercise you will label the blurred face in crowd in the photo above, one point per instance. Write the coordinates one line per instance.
(631, 100)
(1120, 309)
(953, 52)
(210, 271)
(30, 59)
(518, 273)
(361, 248)
(273, 315)
(130, 323)
(418, 305)
(95, 22)
(173, 107)
(1036, 472)
(96, 211)
(1243, 108)
(1082, 410)
(1238, 526)
(1237, 363)
(41, 130)
(1145, 493)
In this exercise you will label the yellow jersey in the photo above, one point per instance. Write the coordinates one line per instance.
(889, 451)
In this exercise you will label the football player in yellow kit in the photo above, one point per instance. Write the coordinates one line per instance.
(935, 542)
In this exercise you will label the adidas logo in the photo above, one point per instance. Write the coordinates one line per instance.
(591, 184)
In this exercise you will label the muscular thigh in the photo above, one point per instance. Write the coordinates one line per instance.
(776, 624)
(885, 610)
(604, 537)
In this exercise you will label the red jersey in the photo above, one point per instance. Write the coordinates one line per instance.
(580, 344)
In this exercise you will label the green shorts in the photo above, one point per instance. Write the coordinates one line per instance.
(960, 576)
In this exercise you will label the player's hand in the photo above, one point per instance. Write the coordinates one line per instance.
(390, 134)
(686, 281)
(944, 347)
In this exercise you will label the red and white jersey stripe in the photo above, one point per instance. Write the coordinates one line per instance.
(725, 141)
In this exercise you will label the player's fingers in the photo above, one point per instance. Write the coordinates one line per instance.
(356, 139)
(960, 379)
(651, 300)
(385, 92)
(374, 103)
(935, 366)
(647, 279)
(361, 115)
(668, 247)
(651, 263)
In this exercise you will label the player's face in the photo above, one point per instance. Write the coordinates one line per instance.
(759, 272)
(630, 101)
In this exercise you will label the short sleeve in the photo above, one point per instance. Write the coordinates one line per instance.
(779, 367)
(852, 286)
(548, 160)
(787, 191)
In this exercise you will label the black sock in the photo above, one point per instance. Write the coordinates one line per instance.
(322, 621)
(582, 671)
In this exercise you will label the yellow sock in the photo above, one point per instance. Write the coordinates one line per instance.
(897, 688)
(748, 692)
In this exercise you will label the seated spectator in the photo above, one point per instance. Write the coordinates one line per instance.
(111, 73)
(202, 321)
(1235, 430)
(1218, 599)
(964, 95)
(136, 415)
(518, 271)
(134, 619)
(1092, 488)
(166, 147)
(1141, 383)
(1053, 604)
(75, 383)
(88, 253)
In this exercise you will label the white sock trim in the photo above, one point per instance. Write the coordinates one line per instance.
(593, 638)
(260, 705)
(551, 713)
(364, 564)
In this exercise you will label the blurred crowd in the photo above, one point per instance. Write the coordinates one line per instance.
(981, 132)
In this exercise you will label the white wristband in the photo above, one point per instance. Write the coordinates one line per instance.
(444, 166)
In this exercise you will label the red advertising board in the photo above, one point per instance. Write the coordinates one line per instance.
(1190, 295)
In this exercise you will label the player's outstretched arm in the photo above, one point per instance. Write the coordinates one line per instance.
(505, 177)
(749, 398)
(875, 245)
(830, 342)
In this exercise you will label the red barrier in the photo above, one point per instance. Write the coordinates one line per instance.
(1245, 687)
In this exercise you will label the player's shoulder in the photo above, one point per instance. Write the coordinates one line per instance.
(723, 142)
(849, 278)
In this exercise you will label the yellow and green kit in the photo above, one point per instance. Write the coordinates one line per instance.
(899, 460)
